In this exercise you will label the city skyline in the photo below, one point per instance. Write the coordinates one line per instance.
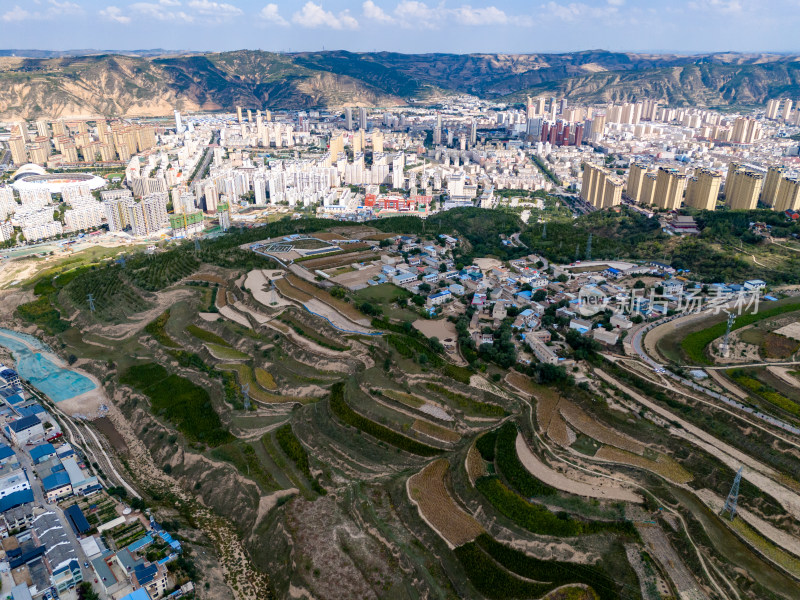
(512, 26)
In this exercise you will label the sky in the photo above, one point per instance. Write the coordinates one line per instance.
(459, 26)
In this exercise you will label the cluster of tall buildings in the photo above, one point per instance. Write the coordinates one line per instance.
(600, 188)
(69, 142)
(144, 217)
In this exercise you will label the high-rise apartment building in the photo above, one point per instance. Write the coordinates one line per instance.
(745, 189)
(19, 155)
(702, 190)
(633, 189)
(348, 118)
(149, 215)
(599, 188)
(788, 195)
(115, 203)
(670, 184)
(211, 197)
(745, 131)
(362, 118)
(769, 192)
(772, 108)
(239, 114)
(377, 142)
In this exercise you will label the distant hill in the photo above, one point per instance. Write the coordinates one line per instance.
(153, 82)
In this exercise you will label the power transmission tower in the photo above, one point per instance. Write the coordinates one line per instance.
(246, 394)
(196, 245)
(121, 261)
(90, 298)
(544, 231)
(577, 251)
(725, 347)
(589, 248)
(733, 496)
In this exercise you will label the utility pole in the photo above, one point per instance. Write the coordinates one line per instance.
(725, 346)
(733, 496)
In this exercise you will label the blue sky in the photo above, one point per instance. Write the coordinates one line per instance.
(404, 25)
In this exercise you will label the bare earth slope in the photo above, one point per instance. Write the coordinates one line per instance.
(129, 85)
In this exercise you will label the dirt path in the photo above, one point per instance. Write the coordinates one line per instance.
(784, 374)
(592, 487)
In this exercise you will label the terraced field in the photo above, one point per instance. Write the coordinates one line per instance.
(428, 490)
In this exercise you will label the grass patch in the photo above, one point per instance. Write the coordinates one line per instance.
(226, 352)
(347, 415)
(774, 553)
(694, 345)
(751, 384)
(265, 379)
(179, 401)
(205, 335)
(244, 458)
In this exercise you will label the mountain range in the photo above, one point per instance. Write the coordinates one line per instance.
(154, 82)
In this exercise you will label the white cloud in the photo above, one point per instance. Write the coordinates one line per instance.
(160, 12)
(314, 16)
(491, 15)
(415, 14)
(270, 14)
(51, 10)
(114, 13)
(375, 13)
(412, 13)
(16, 14)
(217, 10)
(719, 6)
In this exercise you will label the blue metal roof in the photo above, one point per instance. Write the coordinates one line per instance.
(40, 451)
(5, 452)
(24, 423)
(77, 519)
(55, 481)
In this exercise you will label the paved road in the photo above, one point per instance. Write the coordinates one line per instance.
(206, 159)
(636, 342)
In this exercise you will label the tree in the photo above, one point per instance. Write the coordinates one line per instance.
(562, 278)
(424, 288)
(72, 359)
(539, 295)
(639, 285)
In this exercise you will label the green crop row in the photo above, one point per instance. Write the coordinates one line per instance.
(206, 336)
(347, 415)
(556, 573)
(156, 329)
(512, 469)
(292, 447)
(538, 519)
(467, 404)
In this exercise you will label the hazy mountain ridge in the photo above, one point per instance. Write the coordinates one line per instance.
(131, 85)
